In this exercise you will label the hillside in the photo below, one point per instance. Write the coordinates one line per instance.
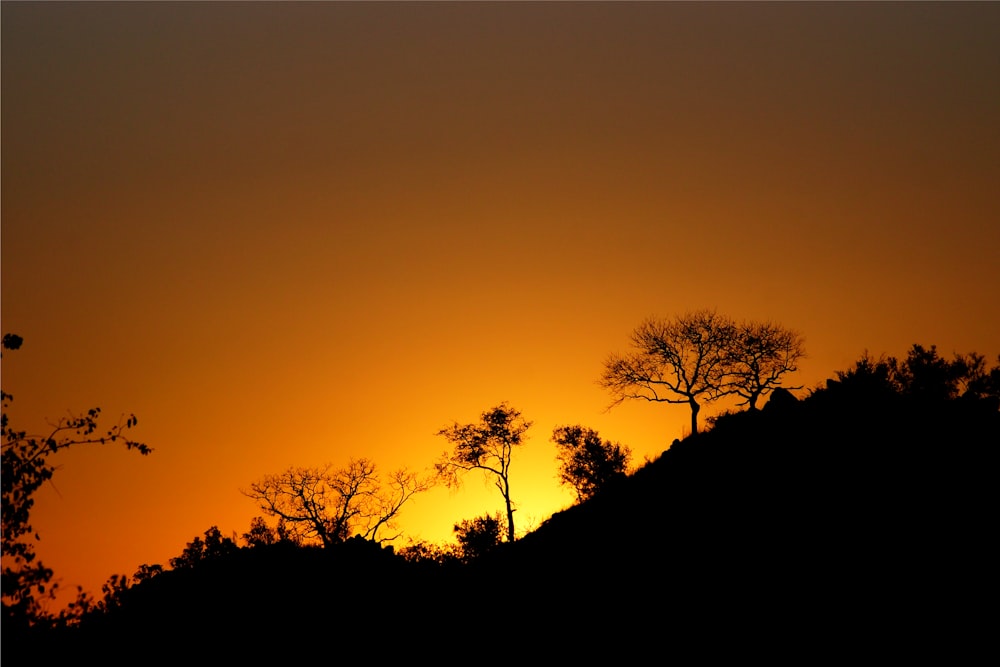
(821, 517)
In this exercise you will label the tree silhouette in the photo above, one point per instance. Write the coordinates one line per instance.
(213, 546)
(477, 537)
(759, 355)
(683, 361)
(700, 357)
(587, 463)
(923, 375)
(976, 380)
(926, 375)
(329, 505)
(24, 467)
(486, 446)
(262, 535)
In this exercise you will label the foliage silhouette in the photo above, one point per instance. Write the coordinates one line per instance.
(488, 447)
(586, 463)
(259, 534)
(328, 505)
(428, 553)
(26, 466)
(213, 546)
(262, 535)
(479, 537)
(923, 376)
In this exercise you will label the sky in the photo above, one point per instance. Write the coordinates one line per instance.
(289, 234)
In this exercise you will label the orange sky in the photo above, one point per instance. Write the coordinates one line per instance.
(289, 234)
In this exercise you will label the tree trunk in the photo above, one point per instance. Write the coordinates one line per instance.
(510, 510)
(694, 416)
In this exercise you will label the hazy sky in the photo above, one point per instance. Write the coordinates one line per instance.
(291, 234)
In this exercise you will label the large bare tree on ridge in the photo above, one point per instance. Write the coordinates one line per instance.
(681, 361)
(700, 357)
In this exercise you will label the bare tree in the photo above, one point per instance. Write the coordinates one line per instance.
(683, 361)
(486, 446)
(760, 355)
(329, 505)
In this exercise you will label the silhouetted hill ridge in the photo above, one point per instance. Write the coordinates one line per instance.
(826, 495)
(873, 504)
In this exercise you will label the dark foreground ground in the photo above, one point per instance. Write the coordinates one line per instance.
(839, 526)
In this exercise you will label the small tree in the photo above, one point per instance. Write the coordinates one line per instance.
(198, 550)
(25, 468)
(486, 446)
(329, 505)
(586, 463)
(477, 537)
(260, 534)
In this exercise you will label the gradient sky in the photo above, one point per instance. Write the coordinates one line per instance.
(291, 234)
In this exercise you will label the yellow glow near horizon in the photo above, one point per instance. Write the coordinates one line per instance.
(295, 234)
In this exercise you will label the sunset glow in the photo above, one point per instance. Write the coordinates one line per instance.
(292, 234)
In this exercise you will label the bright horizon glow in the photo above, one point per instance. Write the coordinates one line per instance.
(292, 234)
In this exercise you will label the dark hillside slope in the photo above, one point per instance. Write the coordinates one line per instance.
(823, 518)
(874, 504)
